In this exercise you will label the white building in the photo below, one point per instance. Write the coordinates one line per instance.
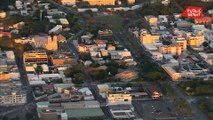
(9, 97)
(18, 4)
(56, 30)
(68, 2)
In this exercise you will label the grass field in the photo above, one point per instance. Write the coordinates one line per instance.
(111, 20)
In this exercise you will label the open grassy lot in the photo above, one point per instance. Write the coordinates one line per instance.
(114, 21)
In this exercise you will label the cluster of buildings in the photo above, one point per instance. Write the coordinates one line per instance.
(181, 49)
(103, 50)
(11, 92)
(119, 99)
(96, 2)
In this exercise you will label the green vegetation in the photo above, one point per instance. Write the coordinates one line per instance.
(98, 74)
(183, 107)
(152, 72)
(159, 9)
(114, 21)
(39, 70)
(167, 89)
(85, 56)
(196, 88)
(76, 72)
(29, 116)
(206, 105)
(73, 19)
(4, 4)
(7, 43)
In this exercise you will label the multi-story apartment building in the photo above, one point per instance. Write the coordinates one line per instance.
(171, 49)
(119, 98)
(68, 2)
(101, 2)
(196, 41)
(10, 97)
(149, 39)
(182, 43)
(35, 57)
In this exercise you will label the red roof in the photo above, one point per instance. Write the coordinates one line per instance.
(5, 34)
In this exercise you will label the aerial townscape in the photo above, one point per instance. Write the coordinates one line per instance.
(106, 60)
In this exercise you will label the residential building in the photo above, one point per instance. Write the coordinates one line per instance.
(170, 49)
(157, 55)
(152, 20)
(64, 21)
(4, 76)
(103, 88)
(172, 73)
(182, 43)
(105, 33)
(131, 1)
(2, 14)
(153, 92)
(119, 98)
(24, 40)
(122, 111)
(18, 25)
(12, 97)
(101, 2)
(68, 2)
(47, 114)
(101, 43)
(56, 30)
(35, 57)
(85, 48)
(62, 58)
(18, 4)
(196, 41)
(149, 39)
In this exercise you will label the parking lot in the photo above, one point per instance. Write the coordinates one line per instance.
(155, 109)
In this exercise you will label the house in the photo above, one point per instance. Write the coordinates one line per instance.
(101, 43)
(18, 25)
(153, 92)
(152, 20)
(2, 14)
(64, 21)
(149, 38)
(68, 2)
(56, 30)
(170, 49)
(172, 73)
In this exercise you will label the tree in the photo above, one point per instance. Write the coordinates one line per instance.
(16, 118)
(5, 118)
(70, 72)
(85, 56)
(78, 78)
(98, 74)
(39, 69)
(112, 70)
(29, 116)
(205, 44)
(28, 47)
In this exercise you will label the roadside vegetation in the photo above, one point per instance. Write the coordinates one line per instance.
(196, 88)
(206, 105)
